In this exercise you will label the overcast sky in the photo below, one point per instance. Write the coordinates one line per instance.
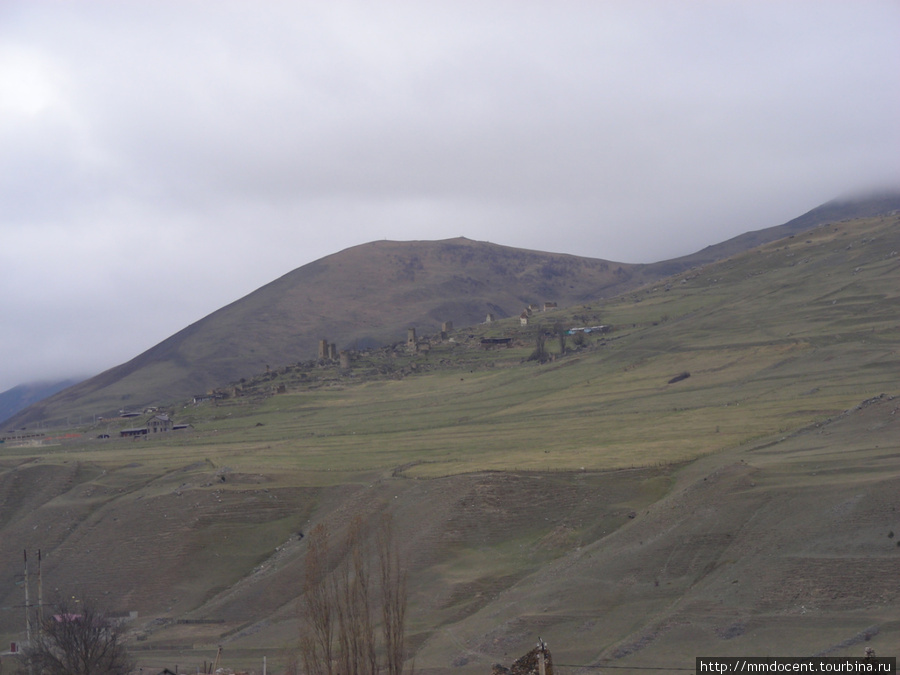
(160, 159)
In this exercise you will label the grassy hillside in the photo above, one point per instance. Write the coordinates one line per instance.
(369, 295)
(870, 206)
(366, 295)
(628, 519)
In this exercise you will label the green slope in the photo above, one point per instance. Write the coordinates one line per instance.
(366, 295)
(369, 295)
(628, 520)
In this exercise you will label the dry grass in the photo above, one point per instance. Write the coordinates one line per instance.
(750, 471)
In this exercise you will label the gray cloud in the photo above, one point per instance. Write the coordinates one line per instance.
(162, 159)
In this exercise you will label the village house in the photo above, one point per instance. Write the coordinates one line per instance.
(489, 343)
(159, 423)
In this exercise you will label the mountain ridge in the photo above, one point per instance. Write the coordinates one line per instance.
(368, 295)
(23, 395)
(363, 296)
(626, 518)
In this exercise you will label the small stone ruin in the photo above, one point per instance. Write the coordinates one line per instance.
(535, 662)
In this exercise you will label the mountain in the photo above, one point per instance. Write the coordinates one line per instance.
(363, 296)
(369, 295)
(20, 397)
(718, 474)
(874, 204)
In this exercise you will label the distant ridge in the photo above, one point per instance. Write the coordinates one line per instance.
(874, 204)
(21, 396)
(368, 295)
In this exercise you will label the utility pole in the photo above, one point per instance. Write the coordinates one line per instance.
(27, 603)
(40, 594)
(27, 610)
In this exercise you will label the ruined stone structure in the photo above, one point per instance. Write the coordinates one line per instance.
(535, 662)
(327, 351)
(489, 343)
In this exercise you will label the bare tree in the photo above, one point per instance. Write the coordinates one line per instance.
(540, 349)
(317, 607)
(393, 601)
(353, 604)
(561, 333)
(78, 640)
(340, 602)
